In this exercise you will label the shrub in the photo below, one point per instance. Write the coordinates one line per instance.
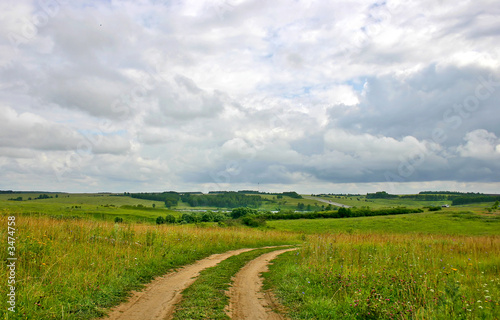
(169, 219)
(253, 221)
(240, 212)
(160, 220)
(436, 208)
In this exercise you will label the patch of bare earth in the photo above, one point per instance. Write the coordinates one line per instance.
(247, 300)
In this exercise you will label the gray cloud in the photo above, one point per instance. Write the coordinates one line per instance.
(317, 96)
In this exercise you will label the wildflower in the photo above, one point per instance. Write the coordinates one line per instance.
(454, 269)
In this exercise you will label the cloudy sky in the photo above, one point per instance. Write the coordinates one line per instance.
(305, 95)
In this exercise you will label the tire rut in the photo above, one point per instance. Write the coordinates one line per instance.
(247, 300)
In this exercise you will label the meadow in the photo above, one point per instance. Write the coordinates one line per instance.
(75, 262)
(440, 222)
(76, 268)
(390, 276)
(87, 206)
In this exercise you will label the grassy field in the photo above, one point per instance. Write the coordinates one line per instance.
(74, 269)
(88, 206)
(379, 276)
(76, 262)
(440, 222)
(361, 201)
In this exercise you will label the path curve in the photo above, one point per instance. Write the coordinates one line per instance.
(247, 301)
(158, 299)
(328, 201)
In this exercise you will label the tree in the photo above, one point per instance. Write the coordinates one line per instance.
(160, 220)
(495, 206)
(169, 219)
(240, 212)
(188, 218)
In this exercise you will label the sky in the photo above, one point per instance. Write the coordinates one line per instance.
(312, 96)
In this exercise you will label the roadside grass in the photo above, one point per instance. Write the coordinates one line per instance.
(361, 201)
(377, 276)
(76, 268)
(451, 223)
(206, 298)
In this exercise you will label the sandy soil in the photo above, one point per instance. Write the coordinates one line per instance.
(247, 300)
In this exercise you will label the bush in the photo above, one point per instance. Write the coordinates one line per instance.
(118, 220)
(253, 221)
(160, 220)
(240, 212)
(436, 208)
(170, 219)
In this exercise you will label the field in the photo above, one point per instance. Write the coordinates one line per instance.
(76, 263)
(88, 206)
(376, 276)
(442, 222)
(76, 268)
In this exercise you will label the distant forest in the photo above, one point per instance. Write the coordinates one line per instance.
(457, 198)
(218, 199)
(223, 200)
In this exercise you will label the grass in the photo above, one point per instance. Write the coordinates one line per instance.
(377, 276)
(75, 263)
(76, 268)
(361, 201)
(87, 206)
(206, 298)
(445, 222)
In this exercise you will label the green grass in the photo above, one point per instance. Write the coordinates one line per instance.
(376, 276)
(361, 201)
(452, 223)
(88, 206)
(206, 298)
(79, 268)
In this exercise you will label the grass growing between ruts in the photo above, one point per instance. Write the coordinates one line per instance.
(206, 298)
(75, 269)
(374, 276)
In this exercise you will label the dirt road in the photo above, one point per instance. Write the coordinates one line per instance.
(328, 201)
(158, 300)
(247, 301)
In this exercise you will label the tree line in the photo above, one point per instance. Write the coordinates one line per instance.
(340, 213)
(474, 199)
(223, 200)
(170, 198)
(254, 218)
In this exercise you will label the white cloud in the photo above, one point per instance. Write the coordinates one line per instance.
(480, 144)
(128, 94)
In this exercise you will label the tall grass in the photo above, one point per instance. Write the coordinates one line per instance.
(75, 269)
(376, 276)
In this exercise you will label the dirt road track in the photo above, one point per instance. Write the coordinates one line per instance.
(247, 301)
(157, 301)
